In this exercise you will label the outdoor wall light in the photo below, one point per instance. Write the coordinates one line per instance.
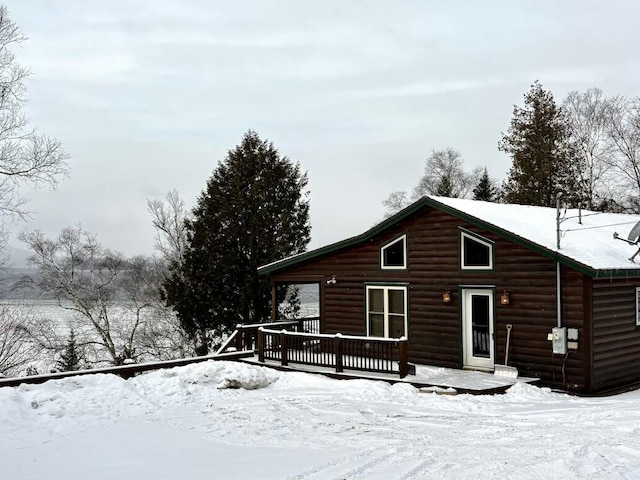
(332, 280)
(505, 298)
(446, 296)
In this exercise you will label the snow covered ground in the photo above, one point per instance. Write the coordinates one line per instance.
(183, 424)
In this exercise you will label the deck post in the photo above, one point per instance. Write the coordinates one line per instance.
(261, 335)
(403, 357)
(274, 301)
(284, 361)
(338, 352)
(239, 339)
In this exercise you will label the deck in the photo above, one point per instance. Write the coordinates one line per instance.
(428, 378)
(349, 357)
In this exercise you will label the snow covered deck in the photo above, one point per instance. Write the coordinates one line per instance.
(443, 380)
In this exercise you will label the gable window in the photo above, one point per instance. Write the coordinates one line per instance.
(476, 253)
(386, 311)
(637, 306)
(393, 255)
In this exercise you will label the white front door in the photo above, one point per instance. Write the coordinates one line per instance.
(477, 328)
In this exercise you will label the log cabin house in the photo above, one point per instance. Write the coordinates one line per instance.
(451, 274)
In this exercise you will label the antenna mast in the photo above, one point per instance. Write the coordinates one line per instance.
(558, 196)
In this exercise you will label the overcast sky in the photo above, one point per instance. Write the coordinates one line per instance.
(147, 96)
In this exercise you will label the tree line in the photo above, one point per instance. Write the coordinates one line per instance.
(587, 148)
(181, 302)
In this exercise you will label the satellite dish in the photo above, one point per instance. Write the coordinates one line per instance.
(632, 239)
(634, 234)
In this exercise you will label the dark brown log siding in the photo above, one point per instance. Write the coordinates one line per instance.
(616, 339)
(434, 327)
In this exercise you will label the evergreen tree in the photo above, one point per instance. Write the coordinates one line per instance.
(71, 357)
(544, 161)
(445, 188)
(485, 190)
(253, 211)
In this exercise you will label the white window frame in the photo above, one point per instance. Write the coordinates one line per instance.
(637, 306)
(402, 239)
(386, 289)
(480, 240)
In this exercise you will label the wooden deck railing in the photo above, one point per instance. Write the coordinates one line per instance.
(124, 371)
(245, 336)
(384, 355)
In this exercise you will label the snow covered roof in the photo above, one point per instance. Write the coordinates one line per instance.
(586, 238)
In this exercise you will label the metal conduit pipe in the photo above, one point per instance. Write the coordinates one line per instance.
(558, 292)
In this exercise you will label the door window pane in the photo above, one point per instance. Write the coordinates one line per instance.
(480, 317)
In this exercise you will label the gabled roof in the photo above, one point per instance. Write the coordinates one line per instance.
(586, 237)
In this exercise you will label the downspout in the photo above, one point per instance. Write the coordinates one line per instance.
(558, 292)
(558, 285)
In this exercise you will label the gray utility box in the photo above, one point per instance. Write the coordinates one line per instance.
(559, 340)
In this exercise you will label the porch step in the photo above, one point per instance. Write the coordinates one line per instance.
(439, 390)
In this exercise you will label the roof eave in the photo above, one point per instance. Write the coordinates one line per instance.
(334, 247)
(430, 202)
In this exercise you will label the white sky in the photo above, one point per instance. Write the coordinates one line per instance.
(148, 96)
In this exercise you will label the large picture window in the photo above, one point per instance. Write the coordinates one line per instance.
(386, 311)
(476, 253)
(393, 255)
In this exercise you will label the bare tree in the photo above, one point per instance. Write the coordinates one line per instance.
(158, 334)
(111, 297)
(26, 156)
(444, 175)
(82, 277)
(169, 221)
(624, 132)
(162, 336)
(166, 338)
(17, 346)
(589, 115)
(446, 167)
(115, 305)
(395, 202)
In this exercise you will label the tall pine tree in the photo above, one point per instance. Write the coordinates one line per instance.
(544, 161)
(485, 190)
(253, 211)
